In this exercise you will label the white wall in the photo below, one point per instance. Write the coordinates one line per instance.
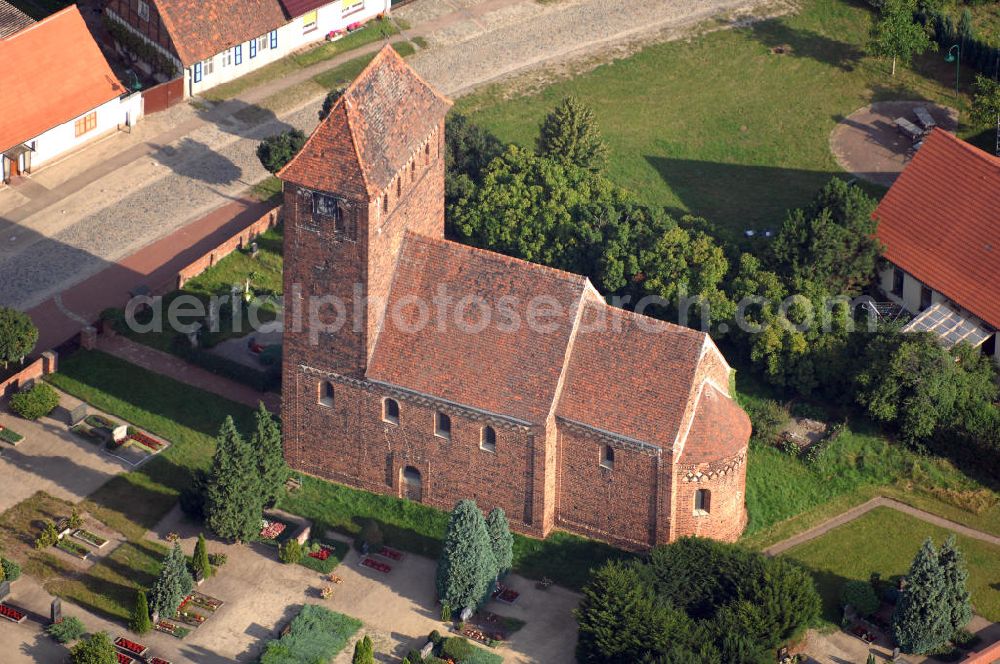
(291, 37)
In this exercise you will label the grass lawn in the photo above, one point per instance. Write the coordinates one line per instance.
(134, 501)
(374, 30)
(885, 541)
(419, 529)
(718, 125)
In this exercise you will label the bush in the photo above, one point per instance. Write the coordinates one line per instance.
(316, 635)
(95, 649)
(456, 648)
(69, 629)
(371, 534)
(767, 418)
(36, 402)
(217, 559)
(276, 151)
(290, 552)
(861, 596)
(11, 570)
(48, 537)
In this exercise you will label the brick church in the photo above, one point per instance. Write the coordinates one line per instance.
(528, 392)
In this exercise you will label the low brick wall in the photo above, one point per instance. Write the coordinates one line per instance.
(42, 366)
(238, 241)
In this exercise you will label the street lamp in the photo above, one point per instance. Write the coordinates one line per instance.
(957, 59)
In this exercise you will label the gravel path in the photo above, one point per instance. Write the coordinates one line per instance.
(864, 508)
(203, 165)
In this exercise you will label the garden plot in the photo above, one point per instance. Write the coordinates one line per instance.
(121, 441)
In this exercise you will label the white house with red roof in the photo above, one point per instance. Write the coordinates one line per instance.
(51, 104)
(940, 224)
(216, 41)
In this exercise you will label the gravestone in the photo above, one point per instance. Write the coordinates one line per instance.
(4, 588)
(56, 611)
(120, 433)
(77, 414)
(466, 614)
(426, 651)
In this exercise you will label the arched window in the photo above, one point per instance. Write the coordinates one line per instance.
(442, 425)
(326, 393)
(488, 439)
(608, 457)
(390, 411)
(702, 501)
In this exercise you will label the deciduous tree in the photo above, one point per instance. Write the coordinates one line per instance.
(897, 35)
(95, 649)
(18, 335)
(276, 151)
(466, 570)
(985, 110)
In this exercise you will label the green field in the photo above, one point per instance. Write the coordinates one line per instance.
(719, 125)
(885, 541)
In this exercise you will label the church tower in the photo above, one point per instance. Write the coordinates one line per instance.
(371, 171)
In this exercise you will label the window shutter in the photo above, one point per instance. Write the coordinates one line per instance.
(197, 72)
(274, 39)
(253, 48)
(239, 54)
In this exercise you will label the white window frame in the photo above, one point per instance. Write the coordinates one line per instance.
(143, 10)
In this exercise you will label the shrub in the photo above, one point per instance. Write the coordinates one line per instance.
(217, 559)
(18, 335)
(370, 534)
(434, 637)
(95, 649)
(275, 152)
(316, 635)
(11, 570)
(68, 629)
(290, 552)
(445, 612)
(861, 596)
(140, 622)
(36, 402)
(456, 648)
(767, 418)
(48, 536)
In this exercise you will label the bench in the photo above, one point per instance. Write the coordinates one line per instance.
(908, 129)
(925, 118)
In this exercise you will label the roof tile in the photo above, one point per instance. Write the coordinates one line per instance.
(200, 29)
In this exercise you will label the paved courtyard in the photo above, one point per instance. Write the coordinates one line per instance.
(262, 595)
(51, 459)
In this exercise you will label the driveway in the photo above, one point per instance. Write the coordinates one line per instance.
(78, 216)
(51, 459)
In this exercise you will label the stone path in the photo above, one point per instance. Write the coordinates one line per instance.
(864, 508)
(84, 214)
(174, 367)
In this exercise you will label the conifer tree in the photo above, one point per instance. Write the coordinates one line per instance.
(173, 584)
(501, 540)
(957, 604)
(466, 569)
(266, 441)
(570, 135)
(234, 505)
(921, 622)
(140, 623)
(202, 568)
(364, 651)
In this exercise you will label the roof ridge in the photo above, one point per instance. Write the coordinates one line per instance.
(504, 258)
(354, 144)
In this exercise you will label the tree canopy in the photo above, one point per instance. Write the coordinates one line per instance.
(921, 622)
(234, 502)
(95, 649)
(466, 569)
(897, 35)
(266, 442)
(501, 540)
(276, 151)
(173, 583)
(18, 335)
(570, 135)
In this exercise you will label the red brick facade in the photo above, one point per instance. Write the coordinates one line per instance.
(562, 429)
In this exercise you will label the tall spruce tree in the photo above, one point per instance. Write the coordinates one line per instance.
(199, 562)
(140, 622)
(570, 135)
(173, 584)
(234, 503)
(266, 441)
(466, 569)
(501, 540)
(922, 621)
(957, 603)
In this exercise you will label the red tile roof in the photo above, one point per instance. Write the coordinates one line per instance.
(940, 222)
(387, 95)
(200, 29)
(647, 365)
(514, 373)
(51, 73)
(720, 428)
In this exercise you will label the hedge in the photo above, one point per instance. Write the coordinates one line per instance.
(36, 402)
(262, 381)
(316, 635)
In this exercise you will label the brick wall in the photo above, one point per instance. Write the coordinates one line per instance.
(618, 505)
(238, 241)
(349, 443)
(152, 29)
(42, 366)
(727, 514)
